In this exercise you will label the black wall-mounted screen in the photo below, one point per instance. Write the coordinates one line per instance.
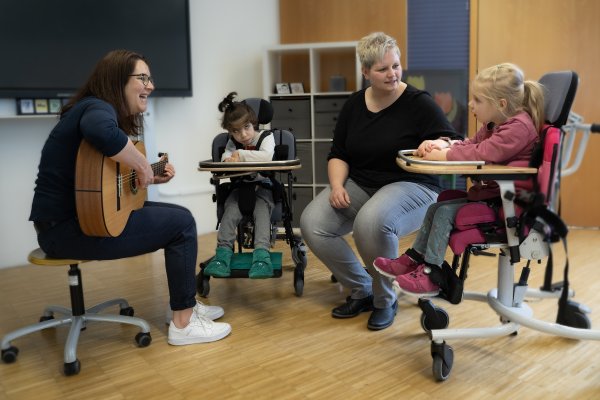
(48, 48)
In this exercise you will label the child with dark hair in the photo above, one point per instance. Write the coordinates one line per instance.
(246, 143)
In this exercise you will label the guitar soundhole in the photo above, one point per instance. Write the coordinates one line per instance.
(133, 183)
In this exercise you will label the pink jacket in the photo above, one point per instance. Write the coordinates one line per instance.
(510, 143)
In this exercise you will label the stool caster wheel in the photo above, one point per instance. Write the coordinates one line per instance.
(46, 318)
(72, 368)
(127, 311)
(10, 355)
(143, 339)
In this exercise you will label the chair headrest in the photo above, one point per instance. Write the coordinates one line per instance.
(559, 93)
(262, 108)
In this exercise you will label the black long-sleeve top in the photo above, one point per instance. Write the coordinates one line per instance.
(369, 142)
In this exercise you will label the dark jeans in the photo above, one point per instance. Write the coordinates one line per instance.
(154, 226)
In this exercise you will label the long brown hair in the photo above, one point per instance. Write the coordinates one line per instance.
(107, 82)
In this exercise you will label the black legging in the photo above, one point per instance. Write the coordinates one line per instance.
(154, 226)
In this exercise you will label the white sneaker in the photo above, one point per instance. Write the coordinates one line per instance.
(199, 330)
(210, 312)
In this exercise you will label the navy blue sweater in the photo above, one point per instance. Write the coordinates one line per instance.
(92, 119)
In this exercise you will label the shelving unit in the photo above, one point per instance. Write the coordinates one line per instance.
(28, 117)
(311, 115)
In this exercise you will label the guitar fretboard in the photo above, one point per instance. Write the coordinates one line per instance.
(159, 167)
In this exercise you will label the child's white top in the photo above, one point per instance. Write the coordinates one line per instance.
(264, 153)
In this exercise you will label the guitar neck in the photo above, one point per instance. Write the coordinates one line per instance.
(159, 167)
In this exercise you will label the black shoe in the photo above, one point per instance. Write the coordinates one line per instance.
(381, 318)
(353, 307)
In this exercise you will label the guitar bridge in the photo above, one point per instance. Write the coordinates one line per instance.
(119, 186)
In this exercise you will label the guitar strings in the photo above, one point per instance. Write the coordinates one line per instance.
(156, 167)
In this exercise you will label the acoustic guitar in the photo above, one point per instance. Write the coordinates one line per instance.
(106, 191)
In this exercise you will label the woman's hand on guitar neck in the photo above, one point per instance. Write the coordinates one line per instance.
(136, 160)
(167, 175)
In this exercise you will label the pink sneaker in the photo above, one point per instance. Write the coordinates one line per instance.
(393, 267)
(417, 282)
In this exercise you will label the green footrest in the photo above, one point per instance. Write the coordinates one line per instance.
(241, 263)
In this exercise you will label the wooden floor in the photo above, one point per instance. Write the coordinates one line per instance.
(288, 347)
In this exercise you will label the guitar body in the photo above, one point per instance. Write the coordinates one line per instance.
(105, 194)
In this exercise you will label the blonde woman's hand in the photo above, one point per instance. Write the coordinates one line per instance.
(428, 145)
(339, 198)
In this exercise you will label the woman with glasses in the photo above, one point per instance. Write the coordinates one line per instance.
(107, 112)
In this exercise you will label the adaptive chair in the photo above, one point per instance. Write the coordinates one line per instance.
(225, 177)
(77, 316)
(524, 227)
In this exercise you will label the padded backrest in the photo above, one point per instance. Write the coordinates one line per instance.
(264, 114)
(285, 141)
(262, 108)
(218, 145)
(548, 170)
(559, 89)
(285, 145)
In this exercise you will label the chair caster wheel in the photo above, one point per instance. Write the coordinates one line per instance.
(574, 315)
(298, 281)
(440, 321)
(443, 358)
(203, 287)
(299, 256)
(143, 339)
(202, 284)
(10, 355)
(433, 317)
(127, 311)
(46, 318)
(72, 368)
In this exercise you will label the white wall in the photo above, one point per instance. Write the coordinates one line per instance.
(228, 40)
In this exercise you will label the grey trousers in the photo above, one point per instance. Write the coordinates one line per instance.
(432, 239)
(377, 223)
(262, 219)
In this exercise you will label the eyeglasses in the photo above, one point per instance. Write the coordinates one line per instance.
(144, 78)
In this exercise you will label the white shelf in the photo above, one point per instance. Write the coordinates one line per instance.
(312, 64)
(8, 112)
(314, 58)
(28, 117)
